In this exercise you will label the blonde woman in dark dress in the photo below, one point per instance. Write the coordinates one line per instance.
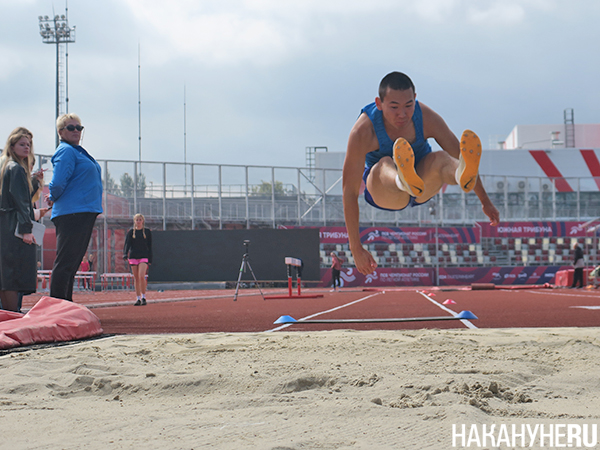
(18, 269)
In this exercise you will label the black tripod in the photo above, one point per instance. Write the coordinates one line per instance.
(246, 262)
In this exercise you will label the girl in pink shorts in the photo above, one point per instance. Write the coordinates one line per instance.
(138, 252)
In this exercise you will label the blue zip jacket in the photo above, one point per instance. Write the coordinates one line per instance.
(76, 185)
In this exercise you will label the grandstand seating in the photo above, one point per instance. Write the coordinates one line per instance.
(540, 251)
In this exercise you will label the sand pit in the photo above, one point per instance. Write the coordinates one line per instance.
(297, 390)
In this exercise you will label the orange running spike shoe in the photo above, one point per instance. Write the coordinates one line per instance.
(404, 158)
(468, 163)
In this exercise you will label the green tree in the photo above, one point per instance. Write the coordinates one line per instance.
(126, 185)
(141, 185)
(264, 188)
(111, 186)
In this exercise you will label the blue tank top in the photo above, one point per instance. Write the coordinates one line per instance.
(386, 147)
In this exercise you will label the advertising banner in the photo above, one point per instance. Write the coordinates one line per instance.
(382, 277)
(451, 276)
(404, 235)
(537, 229)
(456, 276)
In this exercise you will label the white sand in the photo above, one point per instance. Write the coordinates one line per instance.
(318, 390)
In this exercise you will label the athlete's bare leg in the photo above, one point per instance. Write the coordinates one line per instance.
(435, 169)
(381, 183)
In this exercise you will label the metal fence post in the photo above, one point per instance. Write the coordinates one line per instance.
(554, 199)
(247, 201)
(540, 200)
(220, 198)
(578, 199)
(164, 199)
(135, 186)
(105, 208)
(192, 199)
(273, 194)
(299, 207)
(324, 194)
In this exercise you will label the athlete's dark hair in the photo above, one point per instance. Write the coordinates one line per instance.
(397, 81)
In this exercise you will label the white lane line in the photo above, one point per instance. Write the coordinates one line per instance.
(465, 322)
(567, 294)
(325, 312)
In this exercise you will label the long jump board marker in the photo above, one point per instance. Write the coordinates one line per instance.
(492, 286)
(468, 315)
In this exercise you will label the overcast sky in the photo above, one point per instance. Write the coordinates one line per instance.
(265, 79)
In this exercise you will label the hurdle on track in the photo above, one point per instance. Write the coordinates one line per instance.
(83, 281)
(463, 315)
(297, 263)
(117, 281)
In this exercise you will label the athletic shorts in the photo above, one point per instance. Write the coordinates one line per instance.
(412, 202)
(137, 262)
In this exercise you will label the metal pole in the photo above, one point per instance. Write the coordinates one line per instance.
(67, 64)
(324, 195)
(554, 199)
(192, 195)
(578, 198)
(220, 199)
(247, 202)
(540, 199)
(526, 213)
(273, 194)
(56, 31)
(463, 200)
(441, 208)
(105, 209)
(57, 84)
(184, 143)
(139, 107)
(437, 247)
(135, 186)
(505, 196)
(164, 196)
(299, 205)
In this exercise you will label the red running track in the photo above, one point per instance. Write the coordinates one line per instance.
(215, 311)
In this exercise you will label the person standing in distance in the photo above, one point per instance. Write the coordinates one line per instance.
(388, 150)
(336, 267)
(138, 252)
(76, 199)
(18, 268)
(578, 265)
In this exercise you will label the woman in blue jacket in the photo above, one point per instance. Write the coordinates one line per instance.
(76, 199)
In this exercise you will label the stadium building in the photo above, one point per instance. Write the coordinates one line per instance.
(548, 196)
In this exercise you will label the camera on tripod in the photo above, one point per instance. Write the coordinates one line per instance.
(246, 263)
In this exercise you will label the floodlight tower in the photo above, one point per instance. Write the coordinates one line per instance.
(56, 30)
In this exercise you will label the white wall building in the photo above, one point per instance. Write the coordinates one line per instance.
(553, 136)
(534, 158)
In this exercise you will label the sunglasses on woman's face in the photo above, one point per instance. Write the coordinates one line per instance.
(74, 127)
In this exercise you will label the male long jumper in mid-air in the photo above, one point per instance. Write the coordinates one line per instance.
(388, 150)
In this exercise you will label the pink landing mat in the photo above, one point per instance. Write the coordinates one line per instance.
(50, 320)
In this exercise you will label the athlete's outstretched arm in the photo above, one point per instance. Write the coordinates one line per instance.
(351, 181)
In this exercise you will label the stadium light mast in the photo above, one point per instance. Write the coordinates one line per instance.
(56, 30)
